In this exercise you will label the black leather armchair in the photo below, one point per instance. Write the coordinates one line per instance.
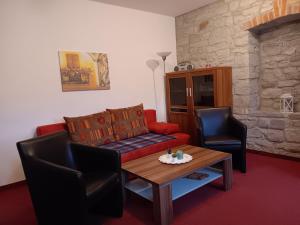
(68, 180)
(219, 130)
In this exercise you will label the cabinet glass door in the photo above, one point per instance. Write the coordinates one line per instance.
(178, 94)
(203, 90)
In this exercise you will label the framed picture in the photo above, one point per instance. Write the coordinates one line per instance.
(82, 71)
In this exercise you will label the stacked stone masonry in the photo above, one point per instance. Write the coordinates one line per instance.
(280, 66)
(215, 35)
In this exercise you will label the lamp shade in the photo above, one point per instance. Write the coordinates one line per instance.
(152, 64)
(163, 54)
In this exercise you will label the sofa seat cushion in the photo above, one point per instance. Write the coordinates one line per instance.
(163, 128)
(137, 142)
(222, 140)
(128, 122)
(178, 139)
(92, 129)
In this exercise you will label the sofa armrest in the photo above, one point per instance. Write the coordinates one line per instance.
(163, 128)
(50, 128)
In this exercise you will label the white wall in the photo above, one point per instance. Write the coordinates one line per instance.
(32, 32)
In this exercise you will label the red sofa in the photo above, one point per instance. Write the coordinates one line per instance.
(153, 125)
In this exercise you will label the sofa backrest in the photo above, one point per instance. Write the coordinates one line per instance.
(150, 115)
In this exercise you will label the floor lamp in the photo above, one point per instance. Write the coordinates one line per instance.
(153, 64)
(164, 55)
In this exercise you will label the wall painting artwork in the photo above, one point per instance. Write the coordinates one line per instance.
(82, 71)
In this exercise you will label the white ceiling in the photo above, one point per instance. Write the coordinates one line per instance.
(164, 7)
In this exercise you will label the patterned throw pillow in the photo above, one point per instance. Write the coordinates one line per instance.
(128, 122)
(92, 129)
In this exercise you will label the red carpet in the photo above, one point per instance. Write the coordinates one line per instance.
(269, 194)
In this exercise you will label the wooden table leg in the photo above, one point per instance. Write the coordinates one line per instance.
(227, 174)
(162, 204)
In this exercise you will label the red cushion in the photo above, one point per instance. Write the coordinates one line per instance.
(150, 115)
(50, 128)
(181, 139)
(163, 128)
(128, 122)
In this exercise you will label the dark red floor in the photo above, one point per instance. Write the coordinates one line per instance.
(269, 194)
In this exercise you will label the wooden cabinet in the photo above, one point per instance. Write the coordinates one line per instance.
(199, 88)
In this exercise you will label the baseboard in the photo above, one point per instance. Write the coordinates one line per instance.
(274, 155)
(12, 185)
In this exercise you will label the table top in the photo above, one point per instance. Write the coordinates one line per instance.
(152, 170)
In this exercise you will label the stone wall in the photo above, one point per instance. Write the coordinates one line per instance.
(280, 66)
(214, 35)
(274, 132)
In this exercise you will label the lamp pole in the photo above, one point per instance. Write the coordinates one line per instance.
(153, 64)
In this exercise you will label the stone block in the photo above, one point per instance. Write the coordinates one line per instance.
(229, 21)
(290, 147)
(275, 135)
(285, 63)
(241, 41)
(294, 116)
(223, 53)
(269, 114)
(246, 3)
(292, 135)
(266, 6)
(293, 76)
(218, 36)
(270, 65)
(268, 84)
(251, 123)
(271, 93)
(289, 51)
(234, 5)
(255, 133)
(277, 124)
(263, 123)
(270, 49)
(240, 73)
(288, 83)
(241, 60)
(272, 75)
(264, 143)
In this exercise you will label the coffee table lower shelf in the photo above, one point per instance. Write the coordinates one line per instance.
(180, 186)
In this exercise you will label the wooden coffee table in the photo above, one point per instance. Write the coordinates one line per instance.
(163, 183)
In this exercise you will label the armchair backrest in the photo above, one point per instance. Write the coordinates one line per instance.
(52, 148)
(213, 121)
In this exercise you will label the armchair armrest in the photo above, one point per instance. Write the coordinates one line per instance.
(199, 129)
(56, 189)
(91, 158)
(48, 171)
(238, 129)
(163, 128)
